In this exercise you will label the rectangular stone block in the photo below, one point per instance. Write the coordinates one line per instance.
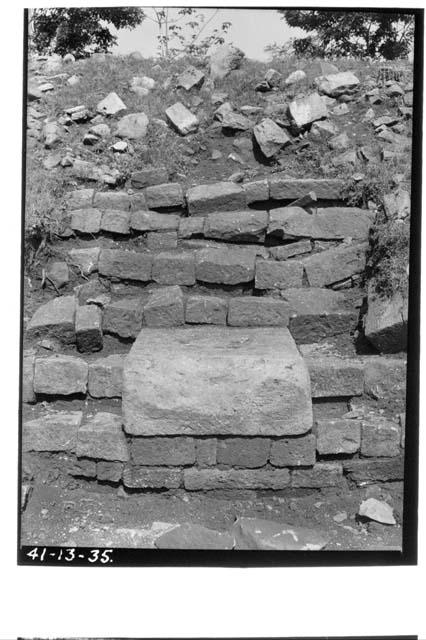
(158, 451)
(118, 200)
(364, 472)
(106, 377)
(126, 265)
(220, 196)
(55, 319)
(322, 474)
(102, 438)
(283, 188)
(109, 471)
(386, 322)
(83, 468)
(251, 311)
(256, 191)
(286, 251)
(332, 377)
(149, 176)
(123, 317)
(165, 308)
(173, 267)
(206, 310)
(206, 452)
(243, 452)
(243, 382)
(27, 391)
(85, 259)
(161, 196)
(237, 226)
(79, 199)
(153, 221)
(116, 221)
(190, 227)
(338, 436)
(210, 479)
(271, 274)
(293, 452)
(88, 328)
(380, 437)
(225, 266)
(55, 431)
(60, 375)
(86, 220)
(151, 478)
(161, 240)
(328, 267)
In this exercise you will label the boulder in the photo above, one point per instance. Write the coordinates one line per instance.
(110, 105)
(190, 78)
(102, 438)
(224, 59)
(60, 375)
(55, 319)
(336, 84)
(273, 77)
(225, 266)
(219, 382)
(182, 119)
(255, 533)
(54, 432)
(237, 226)
(133, 126)
(304, 111)
(194, 536)
(270, 137)
(386, 322)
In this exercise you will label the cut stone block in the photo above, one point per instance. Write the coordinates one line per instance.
(189, 227)
(165, 308)
(386, 323)
(278, 275)
(322, 474)
(256, 191)
(255, 533)
(251, 311)
(364, 472)
(243, 452)
(161, 241)
(126, 265)
(52, 432)
(85, 259)
(86, 220)
(161, 196)
(88, 328)
(182, 119)
(283, 188)
(286, 251)
(338, 436)
(80, 199)
(332, 223)
(60, 375)
(169, 452)
(244, 382)
(123, 317)
(225, 266)
(206, 310)
(102, 438)
(332, 377)
(194, 536)
(206, 450)
(220, 196)
(385, 378)
(55, 319)
(211, 479)
(237, 226)
(138, 202)
(151, 478)
(153, 221)
(149, 176)
(380, 437)
(174, 268)
(28, 362)
(117, 200)
(115, 221)
(106, 377)
(109, 471)
(331, 266)
(293, 452)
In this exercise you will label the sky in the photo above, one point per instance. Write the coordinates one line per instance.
(251, 31)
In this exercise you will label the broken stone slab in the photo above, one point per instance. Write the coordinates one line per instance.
(333, 377)
(86, 220)
(224, 59)
(336, 84)
(153, 221)
(102, 438)
(377, 510)
(253, 311)
(286, 251)
(190, 227)
(304, 111)
(194, 536)
(106, 377)
(55, 319)
(284, 188)
(165, 308)
(386, 322)
(126, 265)
(182, 119)
(161, 241)
(60, 375)
(172, 267)
(236, 226)
(149, 176)
(256, 533)
(190, 78)
(270, 137)
(225, 266)
(158, 451)
(271, 274)
(219, 196)
(86, 260)
(335, 437)
(334, 265)
(117, 200)
(206, 310)
(123, 317)
(322, 474)
(151, 478)
(56, 431)
(162, 196)
(259, 384)
(370, 471)
(243, 453)
(380, 437)
(27, 388)
(293, 452)
(132, 126)
(115, 221)
(213, 479)
(331, 223)
(110, 105)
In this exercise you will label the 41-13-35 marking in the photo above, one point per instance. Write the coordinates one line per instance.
(70, 554)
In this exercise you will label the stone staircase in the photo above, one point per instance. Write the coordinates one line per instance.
(203, 340)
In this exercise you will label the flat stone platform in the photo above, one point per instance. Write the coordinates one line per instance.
(216, 381)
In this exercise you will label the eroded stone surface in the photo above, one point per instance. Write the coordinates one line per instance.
(55, 431)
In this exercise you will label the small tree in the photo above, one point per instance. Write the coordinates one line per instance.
(351, 33)
(80, 31)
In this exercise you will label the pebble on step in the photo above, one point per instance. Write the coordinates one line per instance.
(88, 328)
